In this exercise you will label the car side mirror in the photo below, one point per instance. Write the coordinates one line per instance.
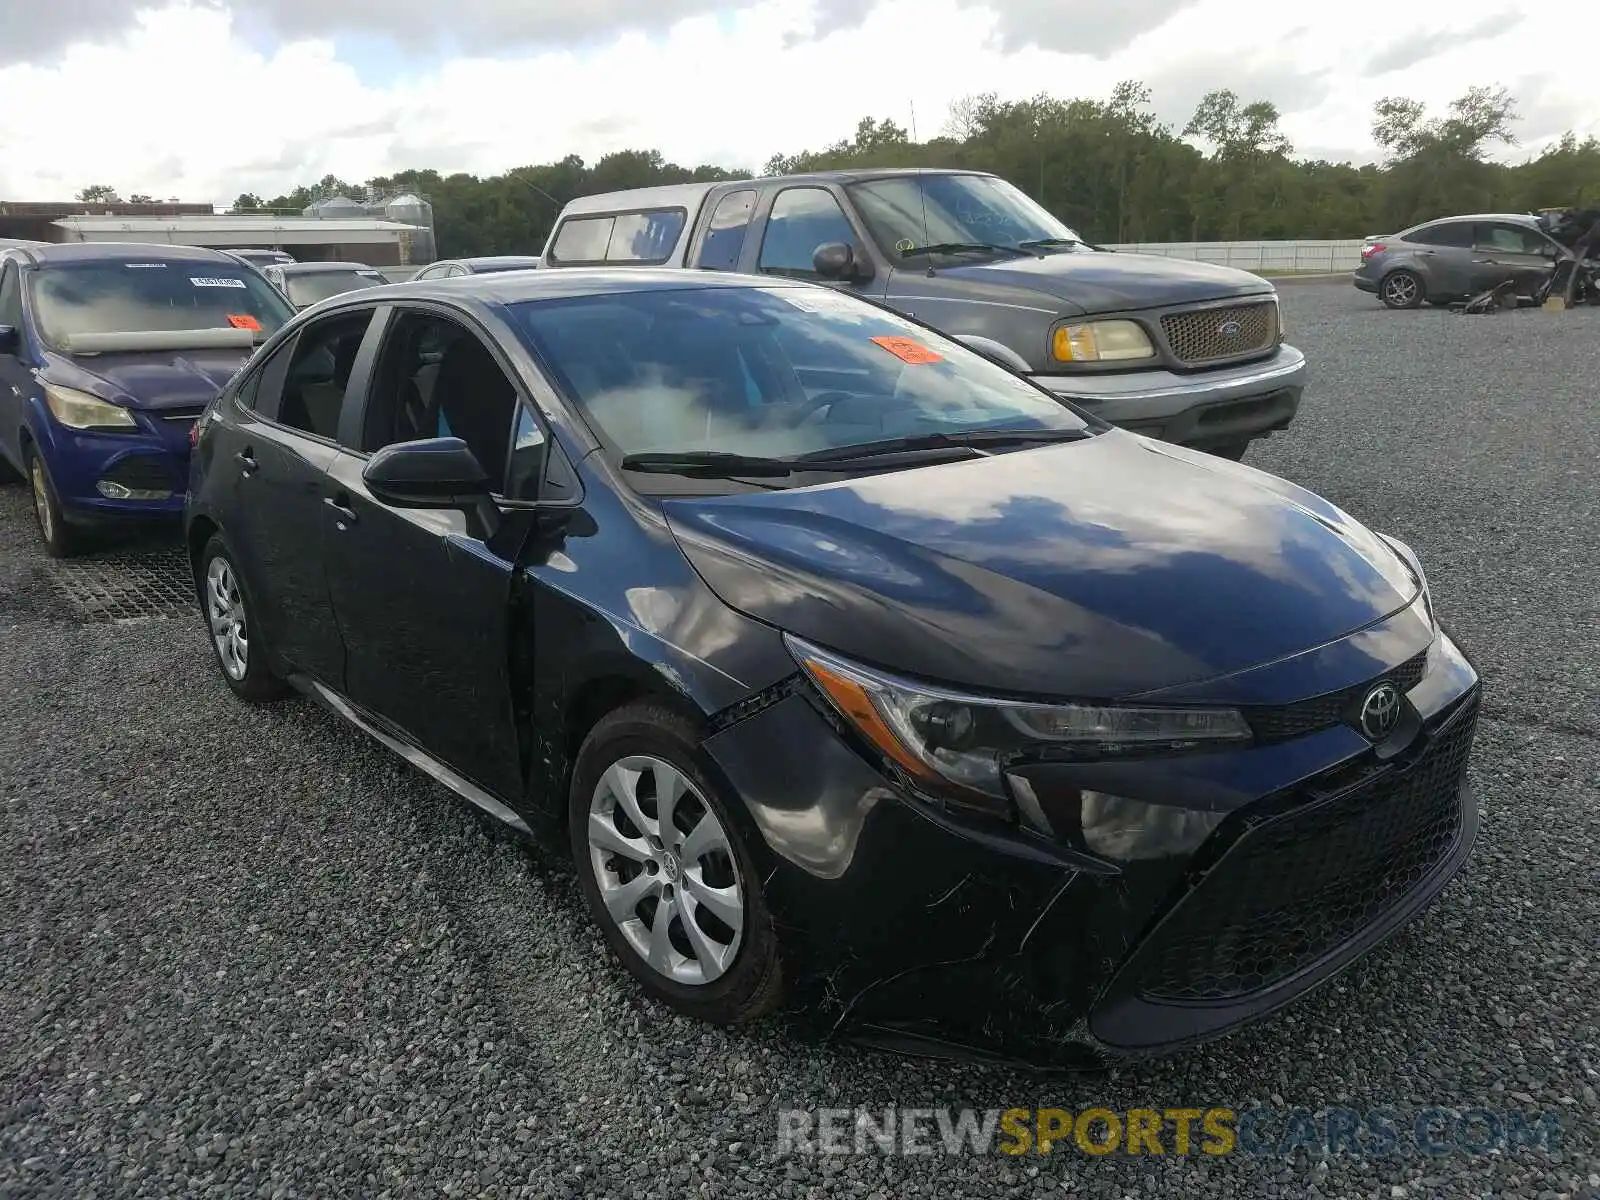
(10, 339)
(432, 473)
(838, 260)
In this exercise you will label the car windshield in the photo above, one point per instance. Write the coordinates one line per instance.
(775, 372)
(908, 213)
(312, 286)
(152, 294)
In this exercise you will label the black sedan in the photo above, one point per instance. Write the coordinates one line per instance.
(857, 672)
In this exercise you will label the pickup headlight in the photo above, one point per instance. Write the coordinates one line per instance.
(960, 744)
(79, 410)
(1101, 341)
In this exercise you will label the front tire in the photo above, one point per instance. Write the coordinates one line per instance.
(665, 872)
(1402, 289)
(227, 608)
(60, 539)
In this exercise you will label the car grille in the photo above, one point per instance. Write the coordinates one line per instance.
(1307, 716)
(1295, 885)
(1206, 334)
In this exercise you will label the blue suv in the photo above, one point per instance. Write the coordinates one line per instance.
(108, 354)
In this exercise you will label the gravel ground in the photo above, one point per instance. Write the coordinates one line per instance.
(248, 953)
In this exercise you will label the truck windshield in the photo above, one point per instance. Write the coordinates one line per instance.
(908, 212)
(151, 295)
(772, 371)
(308, 288)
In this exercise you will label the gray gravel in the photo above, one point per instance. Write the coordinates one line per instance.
(247, 953)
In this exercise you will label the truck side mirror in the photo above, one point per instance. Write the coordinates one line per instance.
(838, 260)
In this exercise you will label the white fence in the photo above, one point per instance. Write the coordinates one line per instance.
(1259, 256)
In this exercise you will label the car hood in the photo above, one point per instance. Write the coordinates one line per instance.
(1101, 281)
(153, 380)
(1098, 569)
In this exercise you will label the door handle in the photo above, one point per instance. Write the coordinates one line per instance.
(247, 462)
(345, 516)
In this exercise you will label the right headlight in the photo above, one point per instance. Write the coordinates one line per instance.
(961, 744)
(79, 410)
(1101, 341)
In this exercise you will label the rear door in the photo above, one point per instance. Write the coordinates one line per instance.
(1443, 256)
(273, 462)
(423, 599)
(16, 377)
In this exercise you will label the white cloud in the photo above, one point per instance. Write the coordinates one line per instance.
(180, 104)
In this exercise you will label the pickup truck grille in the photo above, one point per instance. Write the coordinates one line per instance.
(1206, 335)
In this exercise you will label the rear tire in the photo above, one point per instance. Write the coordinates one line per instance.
(60, 539)
(1402, 289)
(226, 605)
(692, 869)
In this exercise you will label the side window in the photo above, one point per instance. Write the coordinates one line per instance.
(11, 296)
(319, 371)
(641, 238)
(436, 378)
(802, 219)
(582, 239)
(1510, 239)
(725, 235)
(1445, 233)
(429, 273)
(527, 457)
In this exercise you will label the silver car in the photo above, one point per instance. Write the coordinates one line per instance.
(1449, 259)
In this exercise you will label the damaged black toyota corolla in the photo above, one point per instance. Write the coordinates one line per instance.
(858, 673)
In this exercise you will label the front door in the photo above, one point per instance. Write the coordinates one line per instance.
(423, 601)
(1502, 250)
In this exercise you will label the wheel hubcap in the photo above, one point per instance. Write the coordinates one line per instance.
(1402, 290)
(225, 609)
(665, 868)
(41, 499)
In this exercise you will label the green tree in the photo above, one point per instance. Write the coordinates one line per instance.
(99, 193)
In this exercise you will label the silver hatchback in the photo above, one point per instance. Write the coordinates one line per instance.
(1449, 259)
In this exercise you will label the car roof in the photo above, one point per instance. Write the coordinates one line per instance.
(672, 195)
(514, 287)
(498, 260)
(55, 253)
(313, 268)
(1511, 218)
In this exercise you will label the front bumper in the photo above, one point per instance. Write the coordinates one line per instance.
(1204, 409)
(910, 927)
(153, 458)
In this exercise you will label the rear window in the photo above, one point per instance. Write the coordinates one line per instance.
(309, 288)
(645, 237)
(1445, 233)
(152, 295)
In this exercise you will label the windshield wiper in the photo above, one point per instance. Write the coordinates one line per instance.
(960, 248)
(1049, 243)
(969, 440)
(709, 463)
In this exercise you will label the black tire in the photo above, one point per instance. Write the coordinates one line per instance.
(1231, 450)
(1402, 289)
(752, 985)
(60, 539)
(256, 682)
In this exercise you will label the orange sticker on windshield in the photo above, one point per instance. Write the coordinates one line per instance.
(908, 350)
(244, 321)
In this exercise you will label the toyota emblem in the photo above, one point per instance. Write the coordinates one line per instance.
(1380, 712)
(1230, 329)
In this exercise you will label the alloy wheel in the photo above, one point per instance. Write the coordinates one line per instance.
(665, 869)
(41, 498)
(225, 610)
(1400, 290)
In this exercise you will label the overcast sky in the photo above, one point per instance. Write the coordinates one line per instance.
(208, 99)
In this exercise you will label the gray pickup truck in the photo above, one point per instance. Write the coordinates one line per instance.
(1183, 351)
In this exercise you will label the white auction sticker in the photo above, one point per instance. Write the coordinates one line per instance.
(821, 300)
(145, 266)
(216, 281)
